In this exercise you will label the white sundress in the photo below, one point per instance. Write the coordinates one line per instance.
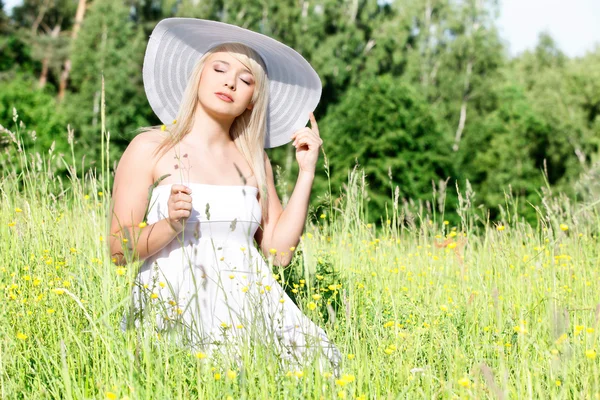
(211, 283)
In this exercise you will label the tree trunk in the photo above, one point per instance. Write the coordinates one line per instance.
(64, 77)
(46, 61)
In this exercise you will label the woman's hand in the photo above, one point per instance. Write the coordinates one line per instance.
(307, 143)
(179, 206)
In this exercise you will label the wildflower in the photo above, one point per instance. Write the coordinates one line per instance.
(174, 121)
(242, 249)
(142, 224)
(591, 354)
(18, 210)
(389, 324)
(21, 336)
(444, 308)
(13, 223)
(351, 356)
(281, 301)
(299, 374)
(163, 127)
(86, 197)
(100, 194)
(267, 288)
(327, 375)
(224, 325)
(558, 382)
(464, 382)
(231, 374)
(217, 376)
(273, 251)
(500, 227)
(312, 306)
(245, 289)
(111, 396)
(341, 394)
(58, 291)
(452, 245)
(121, 271)
(316, 297)
(231, 276)
(292, 248)
(50, 311)
(154, 296)
(564, 227)
(446, 222)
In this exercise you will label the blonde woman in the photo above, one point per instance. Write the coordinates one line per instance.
(224, 94)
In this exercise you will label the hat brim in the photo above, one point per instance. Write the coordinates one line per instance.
(175, 46)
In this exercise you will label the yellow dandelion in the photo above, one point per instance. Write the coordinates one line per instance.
(163, 127)
(21, 336)
(18, 210)
(217, 376)
(500, 227)
(444, 307)
(351, 356)
(299, 374)
(50, 311)
(464, 382)
(121, 271)
(558, 382)
(316, 297)
(292, 248)
(13, 223)
(281, 301)
(341, 394)
(231, 374)
(58, 291)
(452, 245)
(591, 354)
(111, 395)
(86, 197)
(239, 326)
(174, 121)
(564, 227)
(162, 284)
(142, 224)
(231, 276)
(322, 216)
(327, 375)
(312, 306)
(267, 288)
(446, 222)
(245, 289)
(154, 296)
(273, 251)
(100, 194)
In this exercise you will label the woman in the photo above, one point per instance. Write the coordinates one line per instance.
(213, 193)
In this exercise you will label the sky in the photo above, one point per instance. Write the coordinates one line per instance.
(574, 25)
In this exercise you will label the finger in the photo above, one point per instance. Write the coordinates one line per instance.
(183, 197)
(180, 188)
(183, 205)
(313, 123)
(306, 134)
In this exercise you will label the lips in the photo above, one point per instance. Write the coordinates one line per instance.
(224, 97)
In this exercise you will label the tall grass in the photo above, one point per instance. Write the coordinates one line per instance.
(419, 308)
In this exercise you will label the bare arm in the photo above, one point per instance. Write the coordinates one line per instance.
(284, 227)
(133, 177)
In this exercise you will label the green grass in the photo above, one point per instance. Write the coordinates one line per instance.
(422, 309)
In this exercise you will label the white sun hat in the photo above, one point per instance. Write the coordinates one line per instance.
(176, 44)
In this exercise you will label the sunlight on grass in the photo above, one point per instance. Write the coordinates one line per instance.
(418, 307)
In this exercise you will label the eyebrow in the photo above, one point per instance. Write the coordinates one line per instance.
(225, 62)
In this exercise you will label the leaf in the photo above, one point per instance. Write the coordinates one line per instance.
(233, 224)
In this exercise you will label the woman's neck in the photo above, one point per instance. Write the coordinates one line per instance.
(209, 132)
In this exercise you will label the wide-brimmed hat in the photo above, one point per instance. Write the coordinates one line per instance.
(176, 44)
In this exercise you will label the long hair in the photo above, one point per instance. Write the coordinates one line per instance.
(247, 130)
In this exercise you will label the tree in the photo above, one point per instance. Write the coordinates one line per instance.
(386, 125)
(109, 44)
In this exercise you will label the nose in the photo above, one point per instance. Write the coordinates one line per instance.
(230, 81)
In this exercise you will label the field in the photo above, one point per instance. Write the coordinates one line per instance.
(419, 308)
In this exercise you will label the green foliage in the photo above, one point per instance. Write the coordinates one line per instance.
(387, 126)
(110, 45)
(37, 110)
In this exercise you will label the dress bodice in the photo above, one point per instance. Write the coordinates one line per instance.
(219, 212)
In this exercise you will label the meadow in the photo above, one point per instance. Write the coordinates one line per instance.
(419, 307)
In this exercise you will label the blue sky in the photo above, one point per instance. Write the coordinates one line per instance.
(575, 25)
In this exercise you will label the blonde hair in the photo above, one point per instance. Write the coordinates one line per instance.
(247, 130)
